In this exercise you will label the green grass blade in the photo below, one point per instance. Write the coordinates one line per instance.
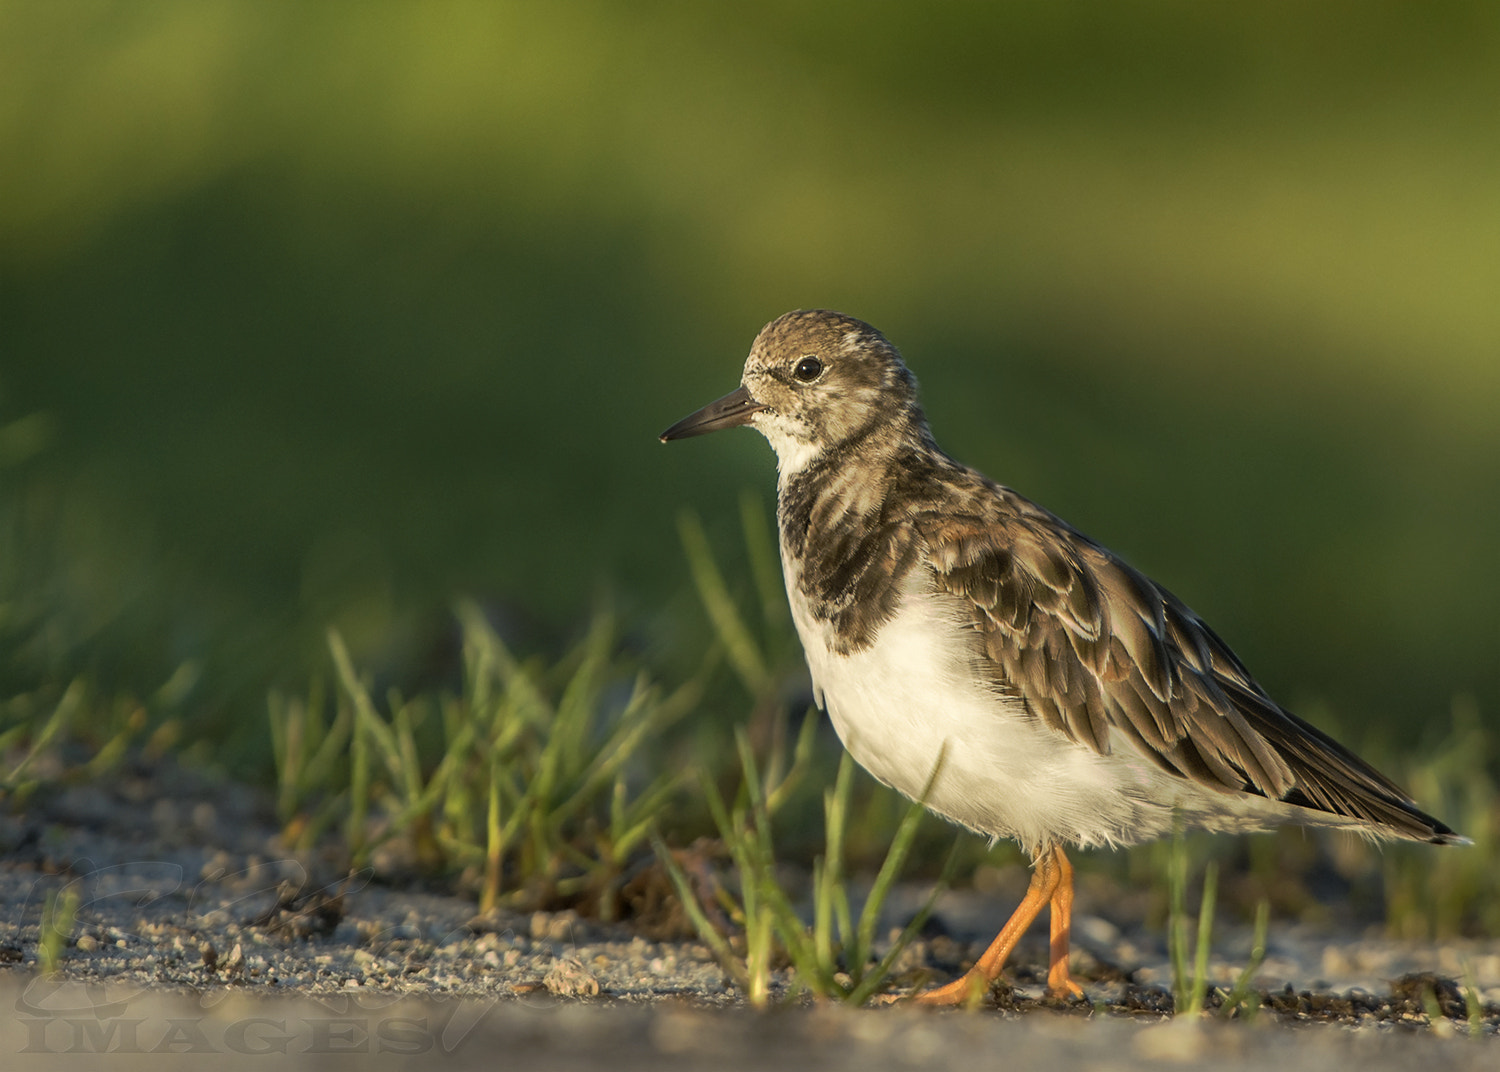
(890, 868)
(1240, 993)
(378, 731)
(494, 857)
(751, 771)
(706, 930)
(1473, 1006)
(636, 820)
(359, 790)
(406, 753)
(1205, 938)
(868, 983)
(802, 752)
(68, 706)
(59, 920)
(828, 879)
(765, 561)
(744, 653)
(1177, 920)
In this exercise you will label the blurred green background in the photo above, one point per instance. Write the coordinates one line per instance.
(322, 313)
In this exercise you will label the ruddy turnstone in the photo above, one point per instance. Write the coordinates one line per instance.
(1071, 699)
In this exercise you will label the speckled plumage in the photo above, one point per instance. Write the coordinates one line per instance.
(1072, 699)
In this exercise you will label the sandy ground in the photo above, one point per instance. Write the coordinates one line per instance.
(67, 1024)
(194, 935)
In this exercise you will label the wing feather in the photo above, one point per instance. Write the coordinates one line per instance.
(1095, 648)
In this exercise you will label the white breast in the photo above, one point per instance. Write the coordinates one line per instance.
(918, 693)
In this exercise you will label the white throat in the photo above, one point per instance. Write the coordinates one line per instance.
(792, 455)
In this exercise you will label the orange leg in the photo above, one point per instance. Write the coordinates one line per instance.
(1060, 983)
(1051, 884)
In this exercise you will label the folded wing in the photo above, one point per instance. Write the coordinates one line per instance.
(1092, 647)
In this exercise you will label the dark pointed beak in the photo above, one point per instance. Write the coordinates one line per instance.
(737, 407)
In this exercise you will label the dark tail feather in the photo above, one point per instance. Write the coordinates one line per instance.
(1332, 779)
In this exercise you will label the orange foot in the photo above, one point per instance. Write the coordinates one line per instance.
(1051, 884)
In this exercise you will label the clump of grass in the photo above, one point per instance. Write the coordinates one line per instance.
(1190, 989)
(35, 726)
(524, 778)
(834, 957)
(309, 749)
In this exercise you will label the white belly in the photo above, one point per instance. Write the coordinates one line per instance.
(917, 694)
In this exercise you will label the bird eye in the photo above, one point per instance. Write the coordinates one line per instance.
(808, 369)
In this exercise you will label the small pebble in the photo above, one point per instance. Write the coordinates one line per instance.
(569, 978)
